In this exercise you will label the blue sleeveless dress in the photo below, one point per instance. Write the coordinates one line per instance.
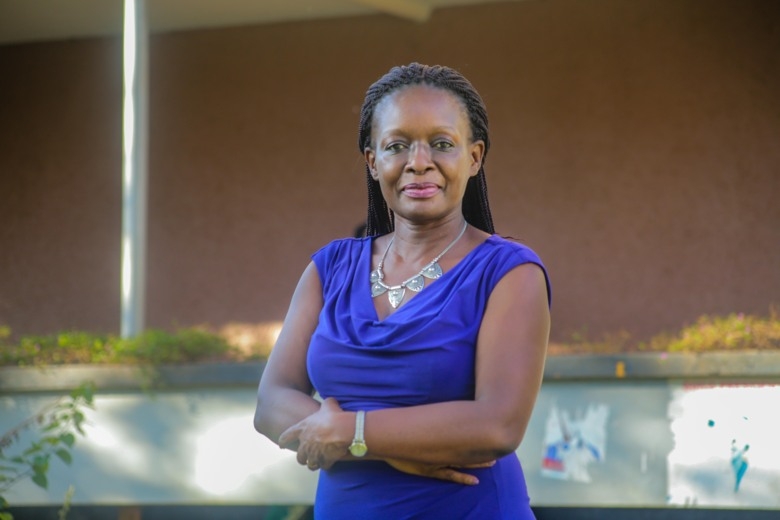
(422, 353)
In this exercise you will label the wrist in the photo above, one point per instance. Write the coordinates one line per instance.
(358, 447)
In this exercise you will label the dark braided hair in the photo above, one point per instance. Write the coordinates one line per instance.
(476, 209)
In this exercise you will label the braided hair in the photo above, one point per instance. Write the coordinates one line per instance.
(476, 209)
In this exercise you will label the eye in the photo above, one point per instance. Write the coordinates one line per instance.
(442, 145)
(395, 147)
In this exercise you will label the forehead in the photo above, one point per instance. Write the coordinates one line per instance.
(419, 101)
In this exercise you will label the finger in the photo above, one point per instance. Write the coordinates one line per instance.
(489, 464)
(331, 404)
(302, 457)
(312, 465)
(456, 476)
(289, 437)
(285, 438)
(327, 461)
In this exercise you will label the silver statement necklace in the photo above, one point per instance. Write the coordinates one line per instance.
(396, 293)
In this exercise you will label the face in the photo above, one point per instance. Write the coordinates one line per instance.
(422, 153)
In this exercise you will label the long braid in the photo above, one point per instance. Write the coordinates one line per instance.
(380, 218)
(476, 208)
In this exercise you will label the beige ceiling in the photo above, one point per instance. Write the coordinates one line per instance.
(40, 20)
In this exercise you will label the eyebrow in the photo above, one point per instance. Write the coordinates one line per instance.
(436, 130)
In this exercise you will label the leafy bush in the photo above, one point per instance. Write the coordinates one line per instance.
(53, 431)
(241, 342)
(151, 347)
(734, 332)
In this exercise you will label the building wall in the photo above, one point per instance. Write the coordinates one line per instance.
(635, 147)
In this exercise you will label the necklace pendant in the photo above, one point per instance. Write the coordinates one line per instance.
(378, 289)
(415, 284)
(396, 296)
(432, 271)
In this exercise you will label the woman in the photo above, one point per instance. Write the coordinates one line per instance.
(426, 339)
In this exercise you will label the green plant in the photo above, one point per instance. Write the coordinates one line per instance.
(62, 514)
(733, 332)
(186, 345)
(736, 331)
(53, 431)
(151, 347)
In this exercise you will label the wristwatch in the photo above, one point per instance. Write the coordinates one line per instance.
(358, 447)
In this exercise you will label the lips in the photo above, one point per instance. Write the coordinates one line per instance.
(421, 190)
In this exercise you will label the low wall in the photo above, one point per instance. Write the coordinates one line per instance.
(629, 431)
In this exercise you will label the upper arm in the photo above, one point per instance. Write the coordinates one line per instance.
(286, 367)
(511, 347)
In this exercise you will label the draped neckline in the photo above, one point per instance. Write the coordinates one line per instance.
(365, 289)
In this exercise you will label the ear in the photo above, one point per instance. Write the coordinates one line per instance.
(370, 156)
(477, 152)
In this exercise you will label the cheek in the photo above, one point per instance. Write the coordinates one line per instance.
(386, 183)
(386, 169)
(388, 161)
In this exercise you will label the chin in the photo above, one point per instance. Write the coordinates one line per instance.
(422, 216)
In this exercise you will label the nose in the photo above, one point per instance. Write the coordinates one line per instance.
(419, 160)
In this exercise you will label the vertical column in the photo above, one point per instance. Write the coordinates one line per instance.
(134, 168)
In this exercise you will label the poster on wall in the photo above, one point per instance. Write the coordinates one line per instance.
(572, 442)
(725, 446)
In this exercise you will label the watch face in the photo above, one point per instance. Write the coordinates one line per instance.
(358, 449)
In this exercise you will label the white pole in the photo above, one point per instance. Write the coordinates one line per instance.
(134, 169)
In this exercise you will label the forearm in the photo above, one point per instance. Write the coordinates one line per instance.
(280, 409)
(457, 432)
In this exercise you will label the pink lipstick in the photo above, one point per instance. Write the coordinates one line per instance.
(422, 190)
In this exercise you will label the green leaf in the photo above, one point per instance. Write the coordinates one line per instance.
(34, 448)
(41, 480)
(68, 439)
(41, 464)
(64, 455)
(86, 391)
(53, 425)
(51, 441)
(6, 516)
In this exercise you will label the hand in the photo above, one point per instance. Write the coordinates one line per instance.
(438, 471)
(318, 442)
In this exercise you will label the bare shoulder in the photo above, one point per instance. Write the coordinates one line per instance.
(523, 286)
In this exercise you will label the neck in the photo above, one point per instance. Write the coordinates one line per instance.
(414, 242)
(416, 282)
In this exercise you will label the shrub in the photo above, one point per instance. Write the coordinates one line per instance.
(721, 333)
(151, 347)
(734, 332)
(52, 433)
